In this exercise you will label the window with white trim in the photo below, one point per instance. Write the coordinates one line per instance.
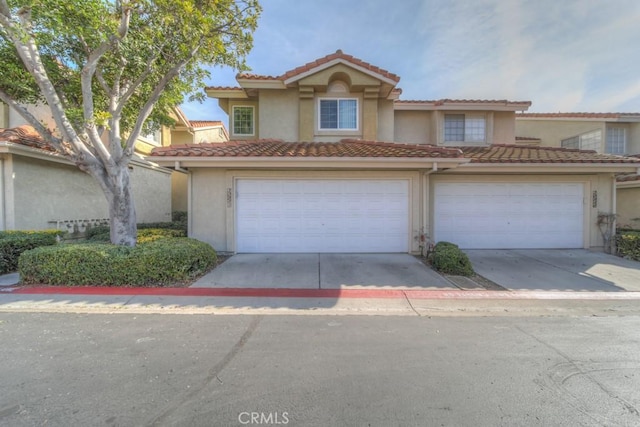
(338, 114)
(616, 141)
(586, 141)
(465, 128)
(243, 120)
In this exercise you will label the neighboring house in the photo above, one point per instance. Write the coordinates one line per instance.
(185, 131)
(40, 189)
(188, 131)
(612, 133)
(327, 158)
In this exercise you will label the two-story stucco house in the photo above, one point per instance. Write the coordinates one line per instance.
(611, 133)
(327, 158)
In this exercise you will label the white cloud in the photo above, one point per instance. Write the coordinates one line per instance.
(570, 55)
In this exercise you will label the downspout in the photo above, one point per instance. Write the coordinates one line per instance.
(2, 197)
(425, 228)
(614, 211)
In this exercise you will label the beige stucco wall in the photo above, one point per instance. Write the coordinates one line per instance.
(198, 136)
(602, 183)
(386, 120)
(40, 112)
(44, 191)
(628, 207)
(39, 191)
(151, 189)
(413, 127)
(551, 132)
(633, 139)
(504, 129)
(213, 221)
(278, 113)
(179, 188)
(208, 213)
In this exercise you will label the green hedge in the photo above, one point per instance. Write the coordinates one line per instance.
(449, 259)
(628, 244)
(144, 236)
(14, 243)
(157, 263)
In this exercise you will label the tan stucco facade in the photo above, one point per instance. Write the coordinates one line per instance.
(552, 132)
(38, 192)
(628, 206)
(213, 214)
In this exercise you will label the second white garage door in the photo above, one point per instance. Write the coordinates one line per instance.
(510, 215)
(322, 215)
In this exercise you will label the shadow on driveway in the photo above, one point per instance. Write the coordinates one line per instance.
(556, 270)
(323, 271)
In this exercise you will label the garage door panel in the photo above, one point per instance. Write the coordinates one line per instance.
(509, 215)
(322, 216)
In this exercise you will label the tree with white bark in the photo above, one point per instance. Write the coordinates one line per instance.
(110, 70)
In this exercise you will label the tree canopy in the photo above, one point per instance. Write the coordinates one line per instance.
(111, 69)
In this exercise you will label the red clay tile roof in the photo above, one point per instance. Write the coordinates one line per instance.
(439, 102)
(223, 88)
(578, 115)
(204, 123)
(278, 148)
(628, 177)
(320, 61)
(505, 153)
(25, 135)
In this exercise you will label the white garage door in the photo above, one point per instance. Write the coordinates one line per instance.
(322, 215)
(510, 215)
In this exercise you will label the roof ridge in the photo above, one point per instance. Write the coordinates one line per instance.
(338, 54)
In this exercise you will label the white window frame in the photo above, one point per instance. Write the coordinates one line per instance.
(607, 142)
(338, 129)
(467, 117)
(253, 120)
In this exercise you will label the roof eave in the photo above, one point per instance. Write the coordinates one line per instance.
(310, 162)
(473, 106)
(337, 61)
(559, 167)
(248, 83)
(234, 93)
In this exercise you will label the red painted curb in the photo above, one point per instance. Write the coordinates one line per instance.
(330, 293)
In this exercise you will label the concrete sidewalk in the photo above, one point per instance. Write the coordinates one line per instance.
(317, 301)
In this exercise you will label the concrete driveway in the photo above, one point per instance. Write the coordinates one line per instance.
(323, 271)
(556, 269)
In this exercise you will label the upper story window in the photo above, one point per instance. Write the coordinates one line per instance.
(465, 128)
(243, 120)
(338, 114)
(587, 141)
(616, 142)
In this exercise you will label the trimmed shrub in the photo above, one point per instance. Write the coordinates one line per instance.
(14, 243)
(144, 236)
(449, 259)
(156, 263)
(628, 244)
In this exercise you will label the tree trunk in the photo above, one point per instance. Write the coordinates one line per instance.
(122, 212)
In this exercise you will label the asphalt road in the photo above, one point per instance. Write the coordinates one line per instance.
(205, 370)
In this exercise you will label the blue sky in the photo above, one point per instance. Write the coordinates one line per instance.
(563, 55)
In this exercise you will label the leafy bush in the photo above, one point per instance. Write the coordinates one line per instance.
(14, 243)
(628, 244)
(449, 259)
(155, 263)
(144, 235)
